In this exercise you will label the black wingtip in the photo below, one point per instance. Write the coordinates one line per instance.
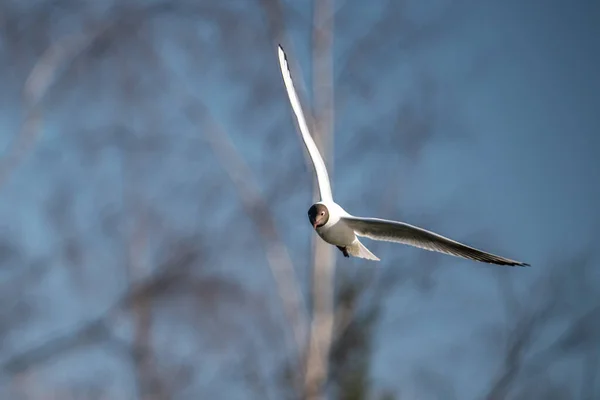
(283, 51)
(507, 262)
(519, 264)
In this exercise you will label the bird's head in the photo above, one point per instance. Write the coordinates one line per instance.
(318, 215)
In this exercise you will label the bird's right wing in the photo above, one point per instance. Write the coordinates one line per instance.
(313, 151)
(399, 232)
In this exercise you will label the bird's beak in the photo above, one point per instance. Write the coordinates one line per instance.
(315, 225)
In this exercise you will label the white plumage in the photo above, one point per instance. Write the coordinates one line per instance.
(337, 227)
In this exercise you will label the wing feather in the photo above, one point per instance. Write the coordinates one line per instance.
(399, 232)
(313, 151)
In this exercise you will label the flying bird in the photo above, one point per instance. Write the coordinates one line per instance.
(335, 226)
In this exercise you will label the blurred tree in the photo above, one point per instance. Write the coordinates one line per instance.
(558, 318)
(134, 268)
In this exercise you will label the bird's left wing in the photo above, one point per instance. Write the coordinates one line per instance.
(313, 151)
(399, 232)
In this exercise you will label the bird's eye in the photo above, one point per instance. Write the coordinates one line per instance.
(322, 212)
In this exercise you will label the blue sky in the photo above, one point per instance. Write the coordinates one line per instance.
(508, 92)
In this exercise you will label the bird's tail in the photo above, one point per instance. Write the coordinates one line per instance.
(357, 249)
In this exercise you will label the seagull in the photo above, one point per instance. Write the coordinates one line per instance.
(337, 227)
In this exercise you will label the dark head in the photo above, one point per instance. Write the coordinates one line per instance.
(318, 215)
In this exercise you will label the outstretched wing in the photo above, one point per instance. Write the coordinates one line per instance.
(313, 151)
(399, 232)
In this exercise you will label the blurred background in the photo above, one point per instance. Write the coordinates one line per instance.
(154, 242)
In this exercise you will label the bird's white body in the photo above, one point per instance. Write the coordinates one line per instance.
(337, 232)
(337, 227)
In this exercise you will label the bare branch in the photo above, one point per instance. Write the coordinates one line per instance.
(257, 209)
(43, 74)
(524, 359)
(86, 334)
(321, 333)
(97, 329)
